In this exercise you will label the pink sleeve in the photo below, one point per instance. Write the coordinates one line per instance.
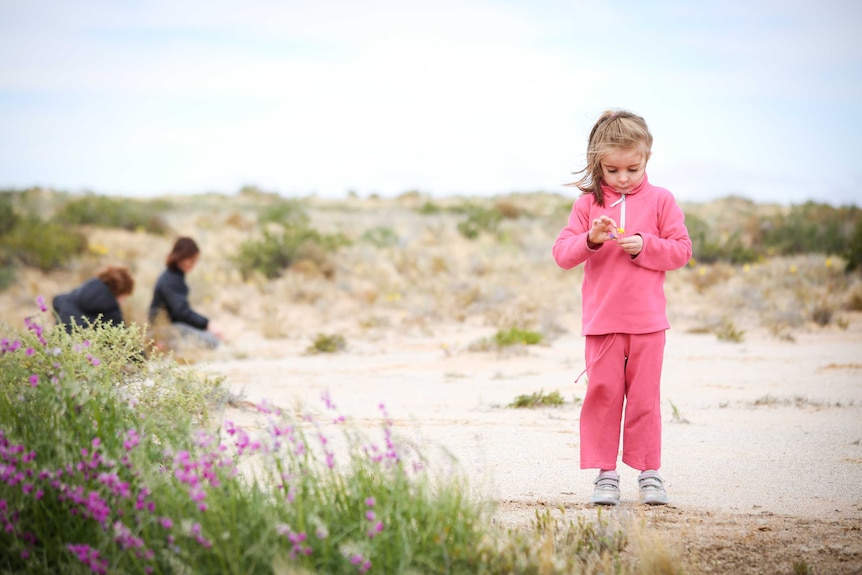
(570, 248)
(671, 248)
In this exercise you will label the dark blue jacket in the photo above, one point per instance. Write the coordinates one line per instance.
(92, 301)
(172, 295)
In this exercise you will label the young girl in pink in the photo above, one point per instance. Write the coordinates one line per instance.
(627, 233)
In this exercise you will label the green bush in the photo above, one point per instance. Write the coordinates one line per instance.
(136, 488)
(380, 237)
(429, 208)
(275, 252)
(853, 251)
(811, 228)
(708, 247)
(539, 399)
(324, 343)
(105, 470)
(479, 219)
(7, 276)
(8, 217)
(284, 212)
(46, 245)
(515, 336)
(107, 212)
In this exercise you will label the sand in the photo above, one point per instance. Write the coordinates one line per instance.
(762, 439)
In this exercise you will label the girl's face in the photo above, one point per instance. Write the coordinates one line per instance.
(187, 264)
(623, 170)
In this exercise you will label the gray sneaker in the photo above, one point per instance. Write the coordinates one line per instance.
(607, 490)
(651, 488)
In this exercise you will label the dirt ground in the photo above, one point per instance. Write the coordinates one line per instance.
(762, 439)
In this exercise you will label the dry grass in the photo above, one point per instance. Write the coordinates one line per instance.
(431, 275)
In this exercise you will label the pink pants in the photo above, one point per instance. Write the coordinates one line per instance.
(622, 369)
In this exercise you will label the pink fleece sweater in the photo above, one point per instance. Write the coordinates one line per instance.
(620, 293)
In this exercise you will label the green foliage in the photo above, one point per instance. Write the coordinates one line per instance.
(506, 338)
(276, 251)
(8, 217)
(284, 212)
(7, 276)
(515, 336)
(727, 331)
(380, 237)
(479, 219)
(96, 441)
(107, 212)
(811, 228)
(853, 251)
(538, 399)
(324, 343)
(677, 414)
(805, 228)
(708, 247)
(429, 208)
(46, 245)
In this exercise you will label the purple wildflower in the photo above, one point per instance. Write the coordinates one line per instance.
(89, 557)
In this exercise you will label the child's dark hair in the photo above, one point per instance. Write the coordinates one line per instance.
(118, 279)
(183, 249)
(614, 130)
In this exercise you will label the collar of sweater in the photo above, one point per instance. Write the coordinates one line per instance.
(611, 194)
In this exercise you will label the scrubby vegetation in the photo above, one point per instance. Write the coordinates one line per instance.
(539, 399)
(106, 212)
(121, 453)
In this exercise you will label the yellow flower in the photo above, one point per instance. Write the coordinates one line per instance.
(98, 249)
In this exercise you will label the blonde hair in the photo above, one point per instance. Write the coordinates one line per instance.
(614, 130)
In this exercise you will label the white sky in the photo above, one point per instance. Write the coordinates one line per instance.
(752, 97)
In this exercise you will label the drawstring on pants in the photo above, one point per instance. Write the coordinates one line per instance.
(605, 346)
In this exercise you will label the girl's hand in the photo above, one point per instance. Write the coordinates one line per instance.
(632, 245)
(602, 231)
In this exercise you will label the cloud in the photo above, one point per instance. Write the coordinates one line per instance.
(477, 96)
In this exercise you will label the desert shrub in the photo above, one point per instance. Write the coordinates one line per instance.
(136, 493)
(505, 338)
(46, 245)
(429, 208)
(727, 331)
(327, 343)
(538, 399)
(822, 314)
(284, 212)
(107, 212)
(516, 335)
(479, 219)
(276, 251)
(8, 217)
(7, 276)
(508, 209)
(380, 237)
(138, 486)
(853, 251)
(811, 228)
(709, 247)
